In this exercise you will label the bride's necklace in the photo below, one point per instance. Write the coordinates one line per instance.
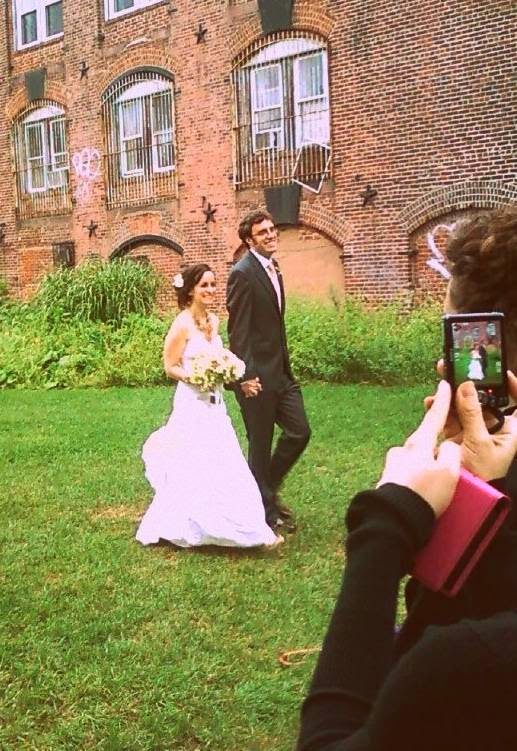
(203, 324)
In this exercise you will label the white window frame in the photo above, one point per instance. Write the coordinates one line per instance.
(40, 6)
(160, 132)
(110, 12)
(30, 186)
(255, 109)
(124, 170)
(137, 93)
(49, 151)
(299, 100)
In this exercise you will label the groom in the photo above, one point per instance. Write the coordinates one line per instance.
(267, 393)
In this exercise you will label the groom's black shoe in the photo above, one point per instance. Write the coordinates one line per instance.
(284, 512)
(283, 526)
(278, 525)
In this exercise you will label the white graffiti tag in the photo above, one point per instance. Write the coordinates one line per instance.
(87, 167)
(437, 262)
(87, 163)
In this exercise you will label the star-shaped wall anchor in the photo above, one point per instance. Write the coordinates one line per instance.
(368, 195)
(209, 213)
(200, 34)
(92, 229)
(83, 69)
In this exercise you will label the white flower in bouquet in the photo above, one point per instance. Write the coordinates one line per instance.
(209, 371)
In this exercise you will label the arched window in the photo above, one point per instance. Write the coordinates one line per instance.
(41, 160)
(139, 132)
(281, 108)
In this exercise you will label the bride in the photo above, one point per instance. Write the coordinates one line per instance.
(475, 372)
(205, 493)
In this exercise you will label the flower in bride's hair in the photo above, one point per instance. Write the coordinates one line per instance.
(178, 281)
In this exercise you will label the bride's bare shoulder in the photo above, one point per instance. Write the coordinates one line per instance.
(182, 323)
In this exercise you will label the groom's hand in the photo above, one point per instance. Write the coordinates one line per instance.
(251, 388)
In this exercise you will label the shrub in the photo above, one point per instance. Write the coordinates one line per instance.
(340, 342)
(98, 291)
(35, 353)
(348, 342)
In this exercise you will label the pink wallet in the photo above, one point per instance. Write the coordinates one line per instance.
(460, 535)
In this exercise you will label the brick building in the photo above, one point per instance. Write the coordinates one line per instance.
(147, 128)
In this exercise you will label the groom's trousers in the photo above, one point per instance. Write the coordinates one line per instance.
(285, 408)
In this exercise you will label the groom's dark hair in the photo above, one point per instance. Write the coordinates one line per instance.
(253, 217)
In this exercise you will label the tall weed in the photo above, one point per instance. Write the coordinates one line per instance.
(98, 291)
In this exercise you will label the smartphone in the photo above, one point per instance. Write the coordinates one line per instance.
(474, 350)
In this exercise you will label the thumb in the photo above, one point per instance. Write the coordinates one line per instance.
(469, 412)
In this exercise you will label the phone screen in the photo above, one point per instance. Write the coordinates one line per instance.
(477, 352)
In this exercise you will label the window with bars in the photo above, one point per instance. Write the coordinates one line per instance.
(41, 161)
(37, 21)
(139, 133)
(281, 110)
(116, 8)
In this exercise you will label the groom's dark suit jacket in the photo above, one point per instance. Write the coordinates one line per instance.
(256, 324)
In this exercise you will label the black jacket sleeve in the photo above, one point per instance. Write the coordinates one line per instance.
(239, 301)
(386, 528)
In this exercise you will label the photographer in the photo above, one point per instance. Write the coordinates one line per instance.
(452, 687)
(482, 256)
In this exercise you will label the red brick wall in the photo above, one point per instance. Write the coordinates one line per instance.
(420, 103)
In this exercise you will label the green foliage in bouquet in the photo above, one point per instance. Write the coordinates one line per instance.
(212, 370)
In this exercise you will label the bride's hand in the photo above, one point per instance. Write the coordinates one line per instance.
(251, 388)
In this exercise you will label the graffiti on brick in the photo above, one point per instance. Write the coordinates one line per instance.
(437, 260)
(87, 167)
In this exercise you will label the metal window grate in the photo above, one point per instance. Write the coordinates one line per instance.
(281, 113)
(41, 161)
(139, 134)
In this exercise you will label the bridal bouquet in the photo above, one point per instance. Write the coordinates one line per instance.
(209, 370)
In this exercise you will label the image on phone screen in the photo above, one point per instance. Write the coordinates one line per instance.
(477, 352)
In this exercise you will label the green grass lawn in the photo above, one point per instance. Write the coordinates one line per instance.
(111, 646)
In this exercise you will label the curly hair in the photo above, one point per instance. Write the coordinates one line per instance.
(253, 217)
(192, 275)
(482, 256)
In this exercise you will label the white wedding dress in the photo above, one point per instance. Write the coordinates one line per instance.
(205, 493)
(475, 370)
